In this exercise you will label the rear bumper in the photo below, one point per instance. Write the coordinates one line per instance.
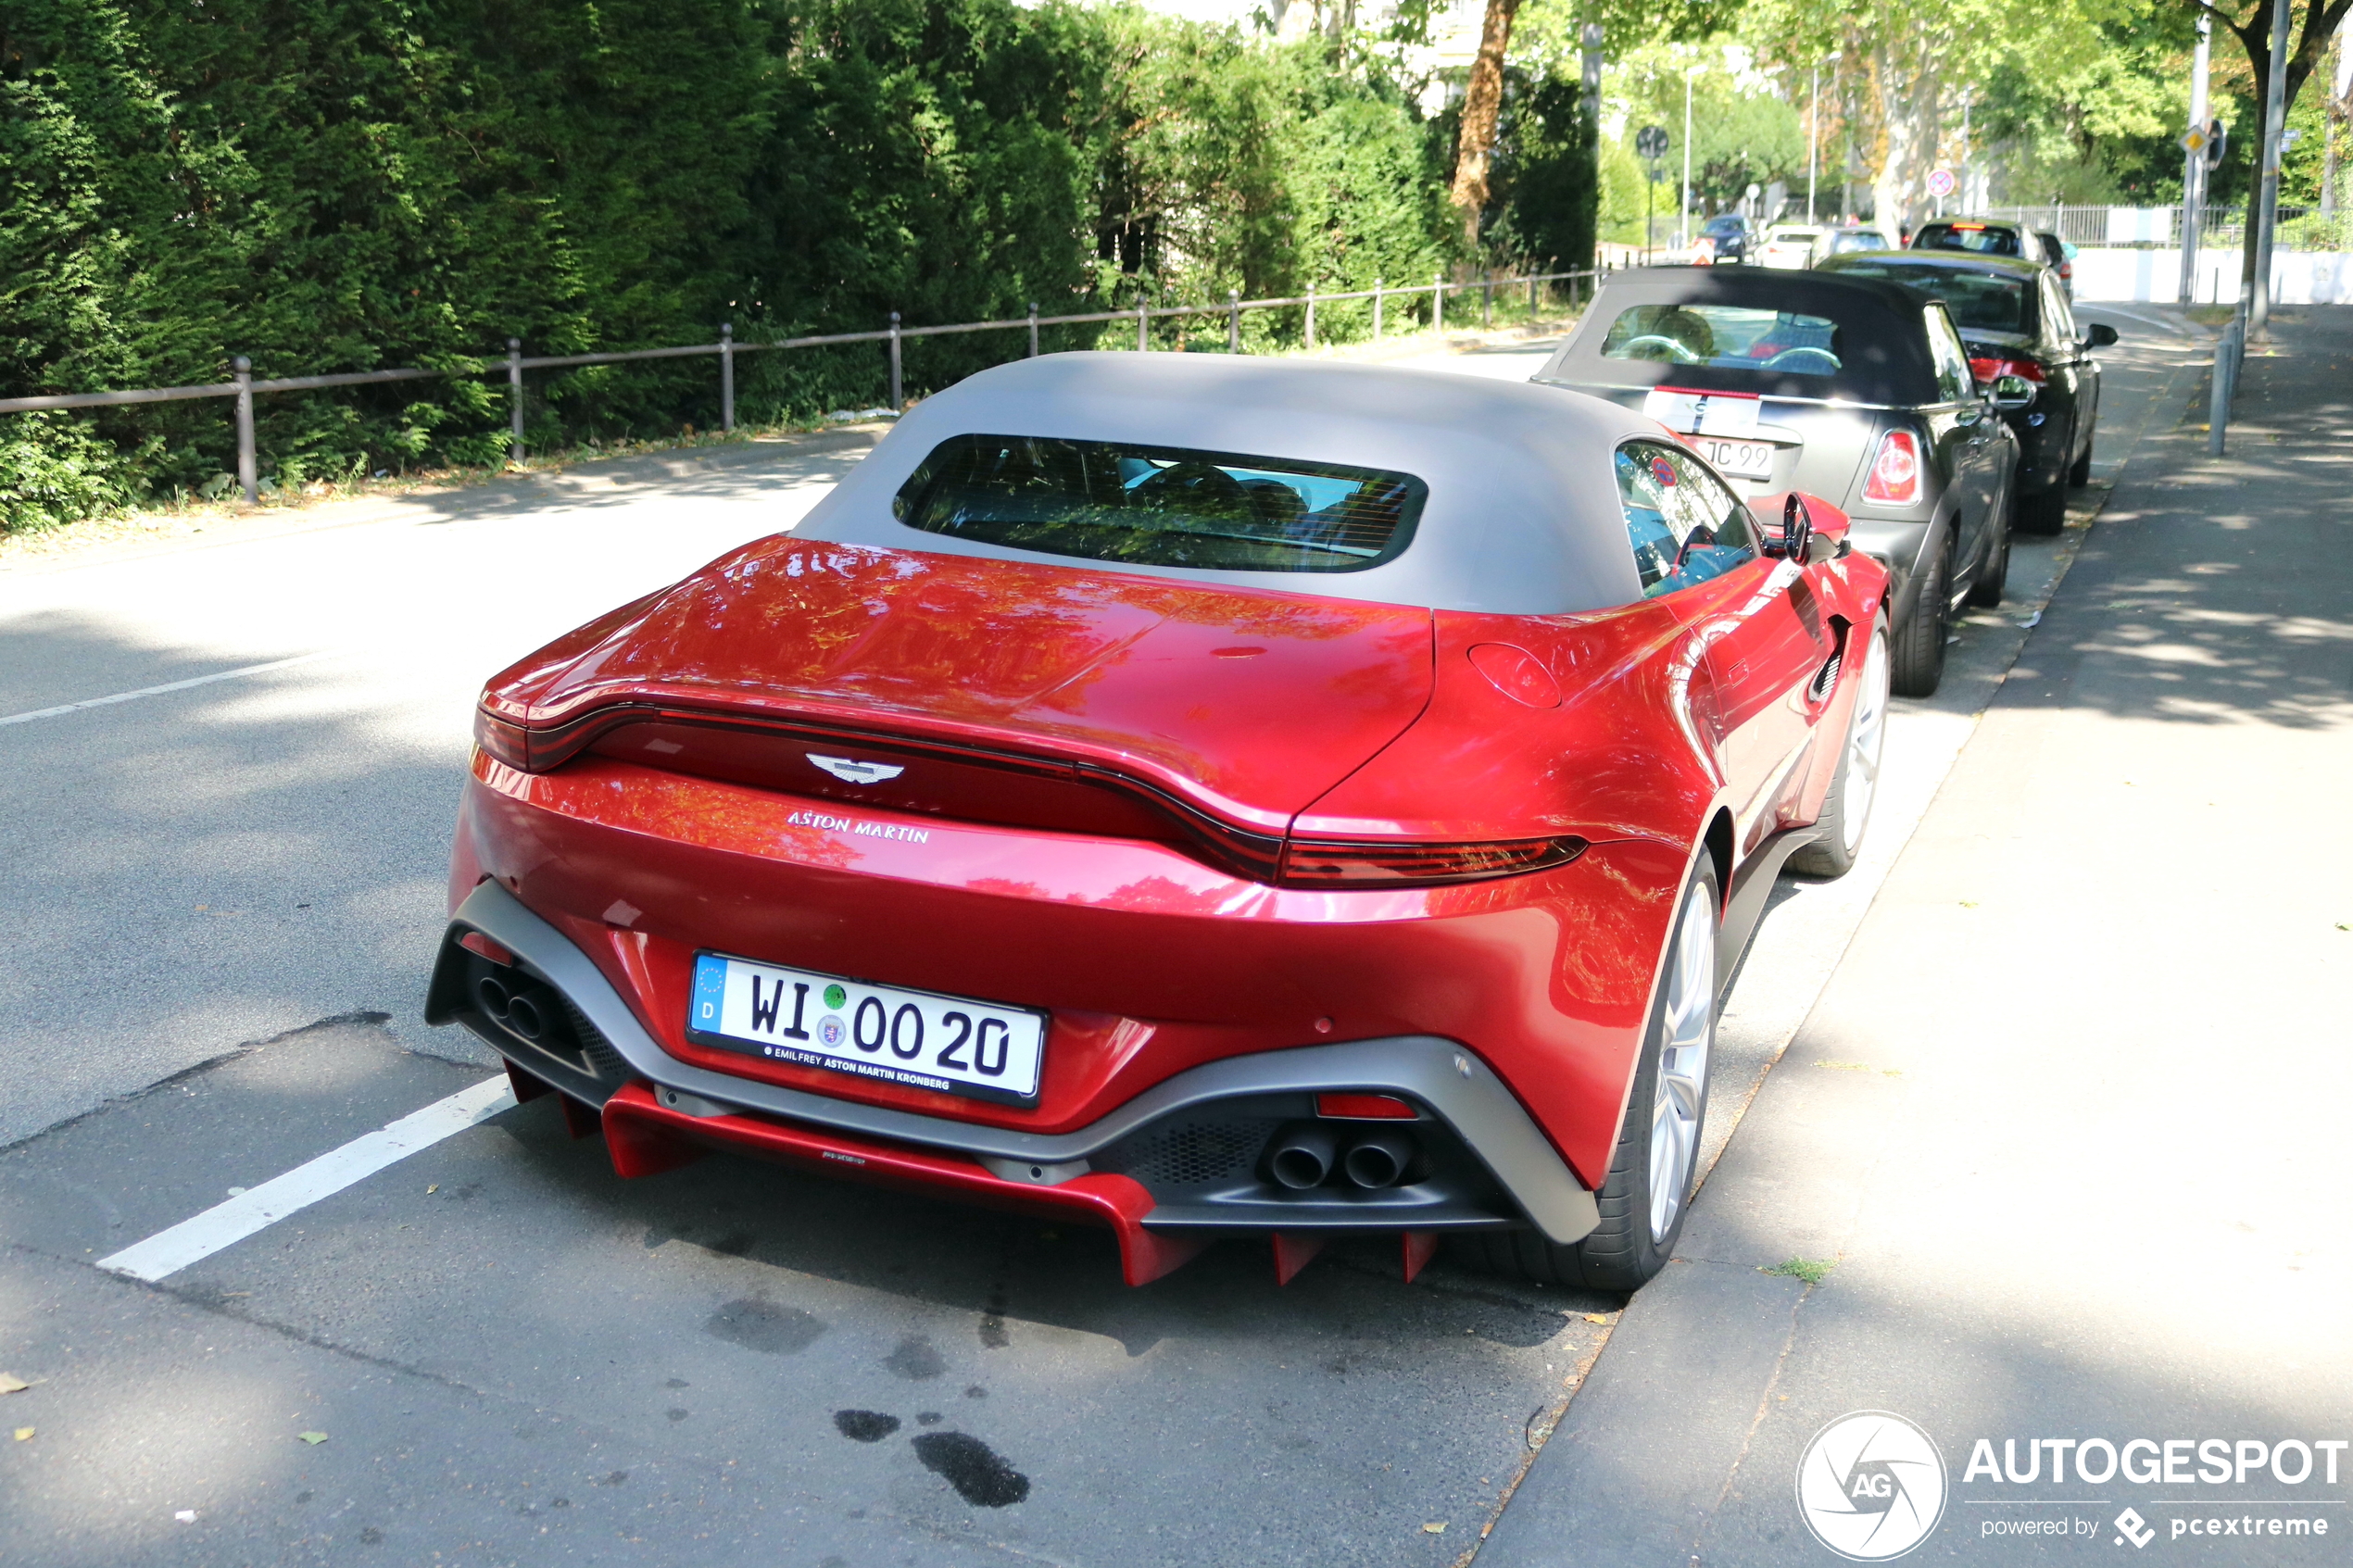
(1490, 1166)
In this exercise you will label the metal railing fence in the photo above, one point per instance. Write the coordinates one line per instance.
(244, 388)
(2092, 226)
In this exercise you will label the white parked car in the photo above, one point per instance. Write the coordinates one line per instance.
(1794, 246)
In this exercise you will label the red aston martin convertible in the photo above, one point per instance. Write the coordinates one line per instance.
(1193, 794)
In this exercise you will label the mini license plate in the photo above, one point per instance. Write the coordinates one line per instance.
(1741, 459)
(945, 1044)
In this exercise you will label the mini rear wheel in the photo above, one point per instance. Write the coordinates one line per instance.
(1648, 1191)
(1994, 575)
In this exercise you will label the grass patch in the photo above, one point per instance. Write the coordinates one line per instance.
(1806, 1269)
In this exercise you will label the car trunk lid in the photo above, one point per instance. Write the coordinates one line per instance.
(1037, 693)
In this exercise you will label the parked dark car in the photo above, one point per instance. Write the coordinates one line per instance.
(1855, 389)
(1980, 236)
(1731, 234)
(2015, 320)
(2060, 259)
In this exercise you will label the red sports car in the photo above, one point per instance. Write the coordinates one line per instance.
(1199, 796)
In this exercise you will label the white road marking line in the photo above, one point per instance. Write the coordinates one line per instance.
(224, 1224)
(168, 687)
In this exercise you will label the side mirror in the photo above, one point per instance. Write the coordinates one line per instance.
(1827, 530)
(1797, 528)
(2013, 393)
(2099, 335)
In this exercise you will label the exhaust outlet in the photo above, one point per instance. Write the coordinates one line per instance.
(512, 1007)
(1378, 1160)
(1303, 1155)
(525, 1018)
(491, 994)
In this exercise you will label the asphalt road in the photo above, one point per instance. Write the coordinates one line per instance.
(220, 901)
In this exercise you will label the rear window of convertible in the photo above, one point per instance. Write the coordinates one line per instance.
(1161, 506)
(1726, 337)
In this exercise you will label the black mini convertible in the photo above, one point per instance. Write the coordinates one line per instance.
(1855, 389)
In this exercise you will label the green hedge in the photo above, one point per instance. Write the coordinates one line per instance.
(347, 184)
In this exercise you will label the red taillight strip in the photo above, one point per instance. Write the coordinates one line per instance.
(1988, 369)
(1312, 862)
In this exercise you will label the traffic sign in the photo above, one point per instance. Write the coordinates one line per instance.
(2218, 143)
(1651, 140)
(1941, 183)
(2194, 139)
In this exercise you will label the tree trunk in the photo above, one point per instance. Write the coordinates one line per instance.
(1911, 97)
(1482, 103)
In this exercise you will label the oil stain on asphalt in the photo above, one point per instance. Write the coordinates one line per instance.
(973, 1468)
(916, 1358)
(864, 1426)
(764, 1326)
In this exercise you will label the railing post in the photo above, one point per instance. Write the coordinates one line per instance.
(1311, 317)
(249, 476)
(514, 400)
(897, 399)
(1487, 305)
(1531, 296)
(727, 376)
(1438, 302)
(1033, 329)
(1143, 323)
(1375, 309)
(1233, 321)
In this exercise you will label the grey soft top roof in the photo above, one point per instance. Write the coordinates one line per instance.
(1881, 339)
(1522, 519)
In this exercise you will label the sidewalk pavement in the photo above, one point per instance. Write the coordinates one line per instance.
(2068, 1127)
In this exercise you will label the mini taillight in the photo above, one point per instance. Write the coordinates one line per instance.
(1895, 472)
(475, 942)
(1364, 1108)
(1332, 863)
(1988, 369)
(506, 743)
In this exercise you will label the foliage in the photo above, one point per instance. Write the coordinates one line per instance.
(333, 185)
(1744, 130)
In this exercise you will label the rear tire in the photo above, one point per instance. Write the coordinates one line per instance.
(1647, 1194)
(1917, 651)
(1987, 591)
(1846, 811)
(2040, 511)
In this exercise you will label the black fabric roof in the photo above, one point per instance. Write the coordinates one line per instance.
(1881, 341)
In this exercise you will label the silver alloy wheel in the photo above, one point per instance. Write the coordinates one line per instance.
(1866, 739)
(1690, 1029)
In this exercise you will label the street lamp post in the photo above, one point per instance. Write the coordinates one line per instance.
(1814, 128)
(2259, 314)
(1683, 217)
(2194, 164)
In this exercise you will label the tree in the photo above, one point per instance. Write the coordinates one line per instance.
(2304, 52)
(1482, 101)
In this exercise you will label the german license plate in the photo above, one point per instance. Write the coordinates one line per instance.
(945, 1044)
(1741, 459)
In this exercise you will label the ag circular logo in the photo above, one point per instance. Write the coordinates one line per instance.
(1870, 1486)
